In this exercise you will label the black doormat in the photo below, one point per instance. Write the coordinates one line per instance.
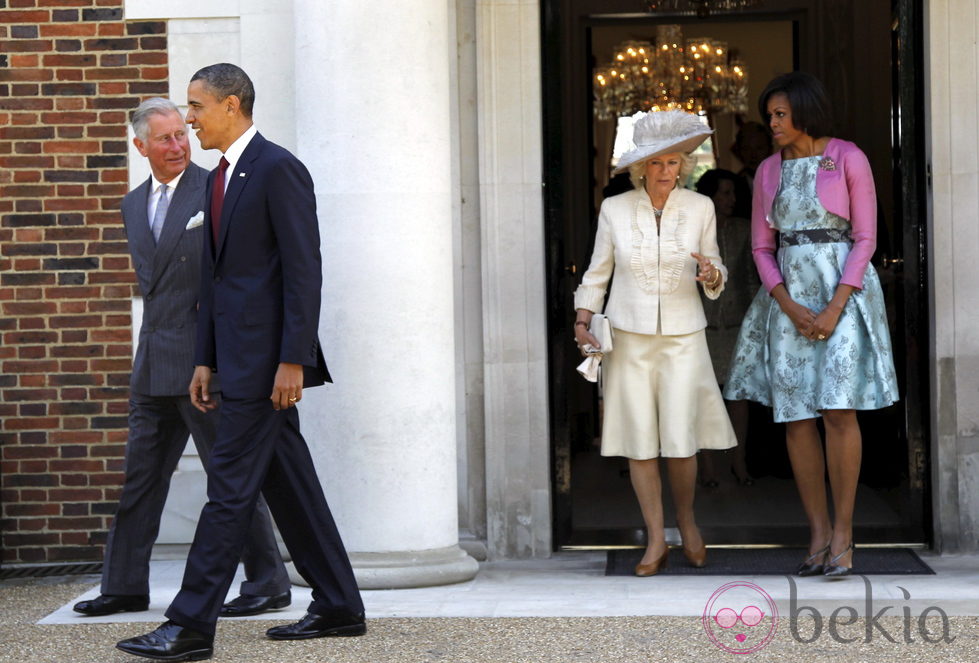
(769, 562)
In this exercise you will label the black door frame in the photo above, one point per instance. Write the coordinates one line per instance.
(910, 209)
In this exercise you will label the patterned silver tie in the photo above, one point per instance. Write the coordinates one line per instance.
(160, 215)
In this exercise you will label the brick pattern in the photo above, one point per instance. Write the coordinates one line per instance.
(70, 72)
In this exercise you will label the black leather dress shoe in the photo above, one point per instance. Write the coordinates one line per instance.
(104, 604)
(318, 626)
(246, 604)
(170, 642)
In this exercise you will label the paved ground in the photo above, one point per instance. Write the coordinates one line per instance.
(655, 619)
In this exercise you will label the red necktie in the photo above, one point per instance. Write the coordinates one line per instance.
(217, 200)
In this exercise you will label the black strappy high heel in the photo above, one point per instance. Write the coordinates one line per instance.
(812, 567)
(834, 570)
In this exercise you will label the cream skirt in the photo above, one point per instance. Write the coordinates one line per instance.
(661, 398)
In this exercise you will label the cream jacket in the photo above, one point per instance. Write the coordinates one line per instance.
(654, 273)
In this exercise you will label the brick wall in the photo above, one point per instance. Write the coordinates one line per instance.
(70, 72)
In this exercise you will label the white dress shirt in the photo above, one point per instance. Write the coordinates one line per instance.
(154, 197)
(235, 151)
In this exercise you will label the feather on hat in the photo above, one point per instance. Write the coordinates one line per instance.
(663, 132)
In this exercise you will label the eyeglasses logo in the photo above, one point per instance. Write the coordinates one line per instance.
(728, 618)
(739, 602)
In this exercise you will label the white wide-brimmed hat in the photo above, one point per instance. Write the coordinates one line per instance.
(663, 132)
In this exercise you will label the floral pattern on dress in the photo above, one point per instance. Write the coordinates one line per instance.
(775, 365)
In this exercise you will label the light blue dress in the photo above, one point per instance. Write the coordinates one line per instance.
(773, 363)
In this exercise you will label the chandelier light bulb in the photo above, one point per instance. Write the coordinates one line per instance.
(668, 73)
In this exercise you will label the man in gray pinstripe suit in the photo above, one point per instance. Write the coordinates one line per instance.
(164, 224)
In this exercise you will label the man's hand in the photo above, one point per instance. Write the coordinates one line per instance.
(200, 395)
(288, 388)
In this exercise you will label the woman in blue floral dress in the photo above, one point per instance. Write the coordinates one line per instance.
(815, 340)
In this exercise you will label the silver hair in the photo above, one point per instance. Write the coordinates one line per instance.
(637, 171)
(152, 106)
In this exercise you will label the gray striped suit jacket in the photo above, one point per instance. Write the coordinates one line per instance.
(169, 276)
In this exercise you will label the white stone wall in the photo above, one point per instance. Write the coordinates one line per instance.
(952, 80)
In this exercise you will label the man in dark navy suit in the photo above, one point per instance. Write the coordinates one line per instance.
(257, 328)
(164, 222)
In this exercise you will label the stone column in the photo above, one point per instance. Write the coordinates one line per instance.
(511, 210)
(952, 82)
(374, 129)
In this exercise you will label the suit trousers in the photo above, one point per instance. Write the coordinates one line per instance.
(261, 450)
(158, 431)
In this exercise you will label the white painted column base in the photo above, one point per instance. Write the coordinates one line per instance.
(404, 570)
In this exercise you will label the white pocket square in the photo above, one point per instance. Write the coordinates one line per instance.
(196, 220)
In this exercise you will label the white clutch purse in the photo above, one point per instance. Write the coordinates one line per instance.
(601, 329)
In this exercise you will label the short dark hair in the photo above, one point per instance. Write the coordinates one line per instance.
(811, 110)
(710, 181)
(225, 79)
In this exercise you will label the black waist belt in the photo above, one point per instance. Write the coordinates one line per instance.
(815, 236)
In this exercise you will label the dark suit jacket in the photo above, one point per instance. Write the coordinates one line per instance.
(169, 278)
(260, 285)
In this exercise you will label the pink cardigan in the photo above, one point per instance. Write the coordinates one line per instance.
(847, 191)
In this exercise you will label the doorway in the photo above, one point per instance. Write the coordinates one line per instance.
(869, 56)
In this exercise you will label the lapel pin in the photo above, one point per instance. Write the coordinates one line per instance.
(241, 174)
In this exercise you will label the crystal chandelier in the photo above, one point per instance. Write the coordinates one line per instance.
(698, 76)
(702, 8)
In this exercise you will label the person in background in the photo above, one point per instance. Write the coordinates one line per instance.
(724, 314)
(752, 145)
(661, 398)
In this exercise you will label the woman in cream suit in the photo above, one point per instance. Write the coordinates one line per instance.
(661, 397)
